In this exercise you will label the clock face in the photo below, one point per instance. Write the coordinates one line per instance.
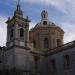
(21, 43)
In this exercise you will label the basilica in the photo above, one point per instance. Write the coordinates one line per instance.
(38, 51)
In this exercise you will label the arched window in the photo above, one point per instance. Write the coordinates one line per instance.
(44, 22)
(46, 43)
(11, 33)
(34, 44)
(21, 32)
(66, 62)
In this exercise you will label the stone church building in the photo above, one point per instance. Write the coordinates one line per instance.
(38, 51)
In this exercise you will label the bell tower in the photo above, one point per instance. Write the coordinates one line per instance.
(17, 40)
(18, 29)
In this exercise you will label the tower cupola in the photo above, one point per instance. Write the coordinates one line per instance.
(18, 10)
(18, 29)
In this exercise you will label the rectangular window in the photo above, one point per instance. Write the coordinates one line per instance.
(11, 33)
(52, 65)
(34, 44)
(66, 62)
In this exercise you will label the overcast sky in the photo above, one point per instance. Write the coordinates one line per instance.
(61, 12)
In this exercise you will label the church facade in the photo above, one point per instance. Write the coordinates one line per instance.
(38, 51)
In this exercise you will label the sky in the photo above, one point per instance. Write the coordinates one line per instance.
(61, 12)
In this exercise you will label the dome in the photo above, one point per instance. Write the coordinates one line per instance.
(45, 23)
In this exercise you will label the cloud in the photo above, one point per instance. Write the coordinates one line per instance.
(69, 29)
(32, 24)
(3, 31)
(63, 5)
(69, 36)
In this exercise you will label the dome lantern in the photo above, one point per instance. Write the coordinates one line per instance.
(44, 14)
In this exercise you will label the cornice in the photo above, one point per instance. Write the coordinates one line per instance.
(55, 50)
(61, 48)
(16, 46)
